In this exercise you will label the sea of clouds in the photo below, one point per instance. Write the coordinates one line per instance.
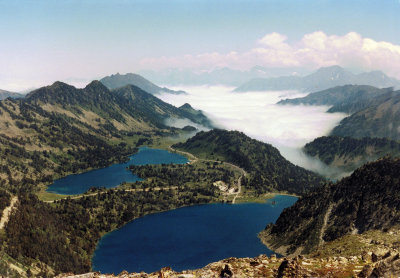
(286, 127)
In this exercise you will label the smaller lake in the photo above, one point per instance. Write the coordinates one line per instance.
(115, 174)
(189, 237)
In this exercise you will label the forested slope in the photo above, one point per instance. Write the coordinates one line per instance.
(269, 170)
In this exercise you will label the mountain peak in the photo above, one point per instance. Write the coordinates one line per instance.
(119, 81)
(186, 106)
(50, 92)
(97, 85)
(59, 85)
(331, 69)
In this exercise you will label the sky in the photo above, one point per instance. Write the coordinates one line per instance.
(77, 40)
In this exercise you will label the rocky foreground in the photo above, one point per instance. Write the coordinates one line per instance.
(366, 265)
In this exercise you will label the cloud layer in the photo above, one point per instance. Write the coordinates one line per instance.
(314, 50)
(255, 113)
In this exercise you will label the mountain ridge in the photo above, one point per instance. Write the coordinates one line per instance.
(348, 98)
(130, 99)
(59, 129)
(6, 94)
(218, 76)
(117, 80)
(322, 79)
(366, 200)
(380, 119)
(268, 170)
(348, 153)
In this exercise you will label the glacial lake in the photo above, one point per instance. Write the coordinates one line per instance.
(189, 237)
(115, 174)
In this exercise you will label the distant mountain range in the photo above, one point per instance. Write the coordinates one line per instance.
(347, 99)
(375, 112)
(5, 94)
(218, 76)
(322, 79)
(117, 80)
(367, 200)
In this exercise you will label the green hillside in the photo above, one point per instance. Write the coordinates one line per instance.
(348, 153)
(268, 169)
(348, 99)
(380, 119)
(59, 129)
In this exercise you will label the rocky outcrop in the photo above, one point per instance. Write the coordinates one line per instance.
(367, 200)
(369, 265)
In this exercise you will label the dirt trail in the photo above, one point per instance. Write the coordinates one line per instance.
(193, 159)
(7, 212)
(239, 182)
(239, 189)
(323, 228)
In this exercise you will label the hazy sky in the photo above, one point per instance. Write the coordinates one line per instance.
(44, 41)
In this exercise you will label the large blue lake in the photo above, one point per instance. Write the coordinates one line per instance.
(188, 238)
(115, 174)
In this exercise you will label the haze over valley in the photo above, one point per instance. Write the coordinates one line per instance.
(199, 139)
(257, 114)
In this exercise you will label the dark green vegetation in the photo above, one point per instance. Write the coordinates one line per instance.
(5, 198)
(59, 129)
(268, 169)
(5, 270)
(322, 79)
(6, 94)
(117, 80)
(115, 105)
(198, 114)
(375, 112)
(200, 175)
(189, 128)
(368, 199)
(64, 235)
(348, 99)
(349, 153)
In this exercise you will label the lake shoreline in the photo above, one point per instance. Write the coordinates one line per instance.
(113, 175)
(246, 200)
(217, 206)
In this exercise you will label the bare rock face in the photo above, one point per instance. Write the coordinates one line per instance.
(388, 266)
(263, 266)
(365, 201)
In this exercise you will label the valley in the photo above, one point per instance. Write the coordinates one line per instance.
(59, 136)
(199, 139)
